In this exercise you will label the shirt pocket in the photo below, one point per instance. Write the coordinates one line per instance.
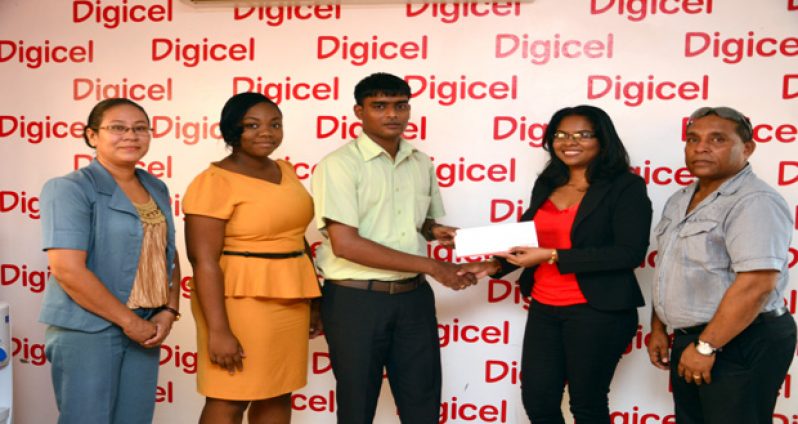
(659, 232)
(704, 244)
(421, 208)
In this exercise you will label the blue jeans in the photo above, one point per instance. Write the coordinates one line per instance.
(102, 377)
(578, 345)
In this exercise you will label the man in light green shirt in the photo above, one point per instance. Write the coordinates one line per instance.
(376, 201)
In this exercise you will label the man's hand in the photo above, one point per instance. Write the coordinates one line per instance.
(444, 234)
(659, 349)
(449, 275)
(695, 367)
(163, 321)
(140, 330)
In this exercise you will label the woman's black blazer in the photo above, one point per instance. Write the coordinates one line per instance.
(609, 240)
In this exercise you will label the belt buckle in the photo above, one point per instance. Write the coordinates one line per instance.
(391, 285)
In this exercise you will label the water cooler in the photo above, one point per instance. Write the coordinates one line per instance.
(6, 376)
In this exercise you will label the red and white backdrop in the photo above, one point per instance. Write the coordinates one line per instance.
(485, 77)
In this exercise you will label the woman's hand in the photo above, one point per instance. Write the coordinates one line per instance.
(526, 256)
(163, 321)
(316, 326)
(225, 351)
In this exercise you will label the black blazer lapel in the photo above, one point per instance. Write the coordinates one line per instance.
(592, 199)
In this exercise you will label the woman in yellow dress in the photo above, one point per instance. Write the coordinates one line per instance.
(254, 280)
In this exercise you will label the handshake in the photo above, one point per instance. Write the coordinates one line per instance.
(458, 277)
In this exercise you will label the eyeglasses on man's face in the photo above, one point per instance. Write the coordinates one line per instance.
(576, 136)
(141, 130)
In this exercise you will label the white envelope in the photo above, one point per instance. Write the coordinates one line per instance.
(494, 238)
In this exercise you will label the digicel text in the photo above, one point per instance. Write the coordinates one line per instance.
(35, 131)
(637, 417)
(360, 52)
(448, 92)
(192, 54)
(159, 169)
(789, 86)
(316, 403)
(451, 12)
(663, 175)
(733, 50)
(497, 370)
(466, 411)
(28, 352)
(111, 16)
(634, 93)
(503, 290)
(35, 56)
(96, 89)
(339, 128)
(277, 15)
(788, 173)
(541, 51)
(763, 132)
(637, 10)
(450, 173)
(189, 132)
(505, 127)
(173, 355)
(12, 201)
(33, 280)
(287, 89)
(490, 334)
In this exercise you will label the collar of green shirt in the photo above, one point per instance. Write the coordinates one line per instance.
(369, 149)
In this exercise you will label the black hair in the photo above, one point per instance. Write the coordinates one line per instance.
(233, 112)
(743, 126)
(611, 160)
(98, 111)
(381, 83)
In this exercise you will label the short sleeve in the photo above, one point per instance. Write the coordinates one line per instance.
(210, 194)
(334, 188)
(758, 233)
(66, 215)
(436, 209)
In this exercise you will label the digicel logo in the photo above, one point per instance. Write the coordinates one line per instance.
(28, 352)
(792, 5)
(111, 16)
(788, 172)
(490, 334)
(790, 86)
(637, 10)
(33, 280)
(19, 201)
(185, 361)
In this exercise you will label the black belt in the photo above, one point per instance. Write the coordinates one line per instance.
(282, 255)
(390, 287)
(764, 316)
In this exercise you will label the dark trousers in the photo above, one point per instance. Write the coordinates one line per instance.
(576, 344)
(367, 331)
(746, 376)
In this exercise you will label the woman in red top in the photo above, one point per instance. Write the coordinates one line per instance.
(593, 218)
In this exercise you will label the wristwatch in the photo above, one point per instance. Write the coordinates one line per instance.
(705, 348)
(172, 310)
